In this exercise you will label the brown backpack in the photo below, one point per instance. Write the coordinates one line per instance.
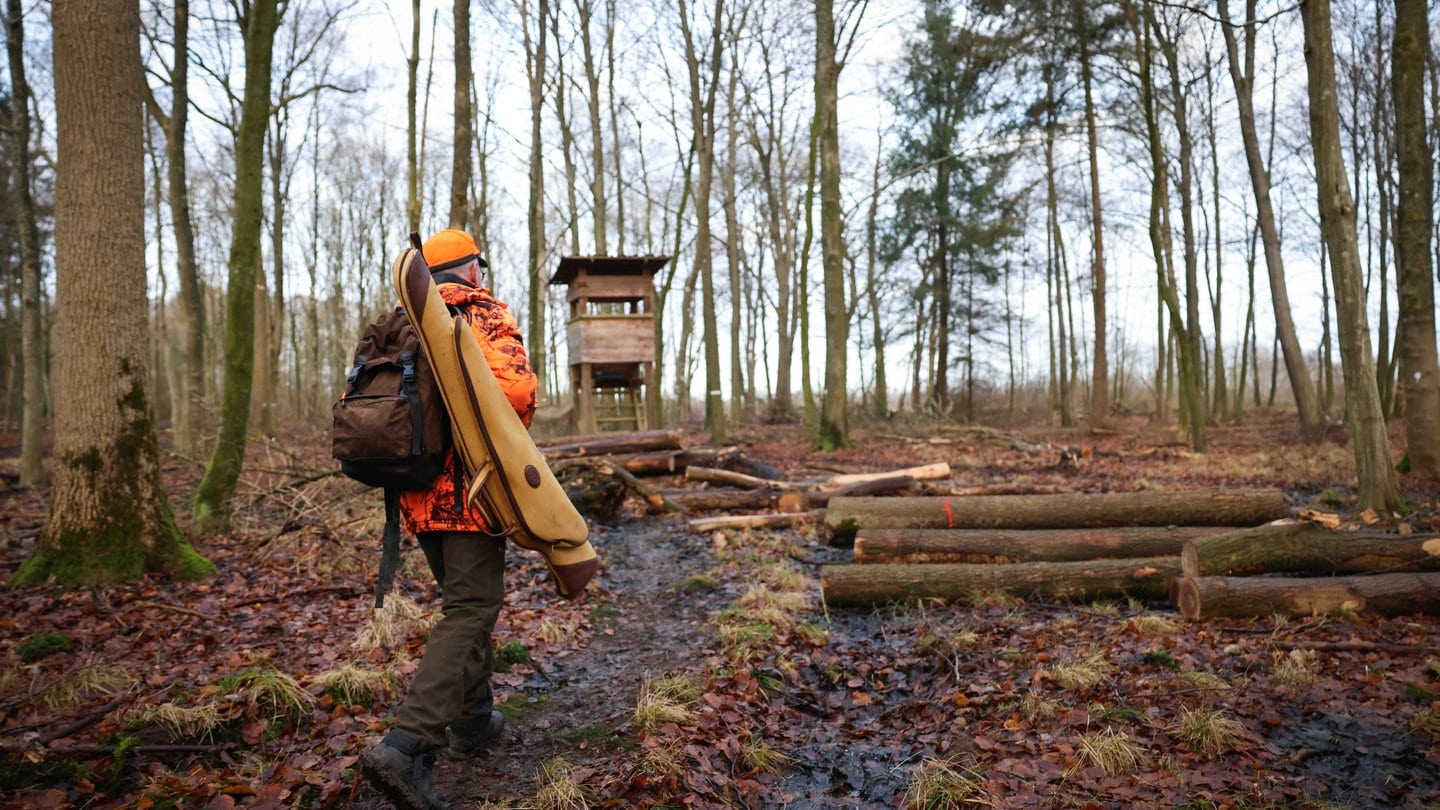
(390, 429)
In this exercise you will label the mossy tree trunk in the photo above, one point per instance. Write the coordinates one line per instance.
(109, 515)
(212, 499)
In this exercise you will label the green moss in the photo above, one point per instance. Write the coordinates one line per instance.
(519, 709)
(41, 645)
(509, 653)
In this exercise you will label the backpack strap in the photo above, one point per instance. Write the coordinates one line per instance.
(350, 379)
(411, 390)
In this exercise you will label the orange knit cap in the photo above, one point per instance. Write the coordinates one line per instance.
(450, 248)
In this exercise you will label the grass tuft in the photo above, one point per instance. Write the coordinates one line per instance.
(1037, 708)
(944, 784)
(184, 722)
(1294, 670)
(761, 757)
(1201, 679)
(1083, 674)
(552, 632)
(1208, 730)
(664, 699)
(1149, 624)
(1426, 721)
(354, 685)
(85, 684)
(558, 788)
(1111, 751)
(275, 694)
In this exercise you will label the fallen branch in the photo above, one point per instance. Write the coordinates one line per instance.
(700, 525)
(734, 479)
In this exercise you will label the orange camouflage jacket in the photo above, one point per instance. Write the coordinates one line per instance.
(434, 510)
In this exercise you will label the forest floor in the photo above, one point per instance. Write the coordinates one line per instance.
(706, 670)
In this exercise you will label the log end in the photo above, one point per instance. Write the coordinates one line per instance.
(1186, 597)
(1189, 559)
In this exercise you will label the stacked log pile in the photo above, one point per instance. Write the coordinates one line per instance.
(1061, 546)
(1301, 568)
(1180, 546)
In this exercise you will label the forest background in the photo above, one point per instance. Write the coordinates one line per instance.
(1053, 210)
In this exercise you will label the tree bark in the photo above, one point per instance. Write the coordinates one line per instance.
(535, 212)
(109, 516)
(632, 443)
(1378, 488)
(1082, 510)
(460, 164)
(832, 431)
(1243, 79)
(1305, 548)
(864, 586)
(212, 498)
(1202, 598)
(586, 11)
(412, 158)
(1100, 367)
(990, 546)
(1419, 366)
(32, 345)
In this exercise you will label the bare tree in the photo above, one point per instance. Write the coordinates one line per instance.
(1377, 488)
(1416, 206)
(464, 136)
(32, 350)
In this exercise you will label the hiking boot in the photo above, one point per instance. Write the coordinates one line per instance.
(405, 778)
(470, 737)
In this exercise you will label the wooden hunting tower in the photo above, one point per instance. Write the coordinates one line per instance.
(611, 338)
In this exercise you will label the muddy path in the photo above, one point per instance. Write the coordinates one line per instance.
(581, 706)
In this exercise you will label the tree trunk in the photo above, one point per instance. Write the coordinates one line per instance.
(1378, 489)
(702, 120)
(560, 93)
(109, 517)
(1100, 368)
(878, 338)
(212, 498)
(586, 10)
(535, 216)
(461, 162)
(32, 345)
(1205, 598)
(1295, 366)
(734, 254)
(1305, 548)
(864, 586)
(1081, 510)
(412, 158)
(1419, 366)
(832, 431)
(990, 546)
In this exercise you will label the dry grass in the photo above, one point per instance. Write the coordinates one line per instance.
(762, 603)
(1083, 674)
(1038, 708)
(558, 789)
(943, 784)
(761, 757)
(1111, 751)
(1110, 609)
(1149, 624)
(400, 620)
(664, 699)
(1294, 670)
(273, 693)
(185, 722)
(355, 685)
(662, 763)
(1208, 730)
(552, 632)
(84, 685)
(1432, 666)
(1200, 679)
(1426, 721)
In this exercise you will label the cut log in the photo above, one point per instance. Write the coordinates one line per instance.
(1203, 598)
(708, 500)
(844, 516)
(992, 546)
(1297, 547)
(701, 525)
(816, 498)
(617, 445)
(674, 462)
(871, 585)
(710, 475)
(925, 472)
